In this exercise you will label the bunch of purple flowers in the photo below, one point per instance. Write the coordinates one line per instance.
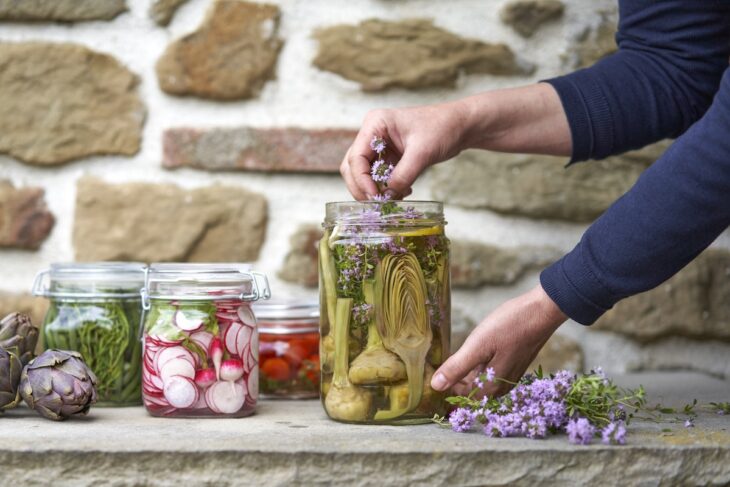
(380, 170)
(584, 407)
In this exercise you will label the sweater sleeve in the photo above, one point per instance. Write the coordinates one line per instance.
(670, 60)
(676, 209)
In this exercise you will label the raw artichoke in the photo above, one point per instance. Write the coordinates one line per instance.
(16, 330)
(58, 384)
(10, 368)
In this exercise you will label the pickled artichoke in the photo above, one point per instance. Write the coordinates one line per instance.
(402, 320)
(17, 331)
(58, 384)
(10, 369)
(375, 365)
(344, 401)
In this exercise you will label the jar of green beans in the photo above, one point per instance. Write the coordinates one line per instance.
(95, 309)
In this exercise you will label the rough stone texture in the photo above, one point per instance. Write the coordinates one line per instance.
(410, 54)
(560, 352)
(293, 443)
(526, 16)
(231, 55)
(60, 10)
(80, 103)
(162, 222)
(23, 303)
(595, 43)
(474, 264)
(694, 303)
(162, 11)
(25, 221)
(301, 264)
(461, 326)
(538, 186)
(251, 149)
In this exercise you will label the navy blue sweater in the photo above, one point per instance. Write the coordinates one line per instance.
(669, 78)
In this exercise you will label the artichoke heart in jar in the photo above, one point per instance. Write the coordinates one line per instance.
(385, 310)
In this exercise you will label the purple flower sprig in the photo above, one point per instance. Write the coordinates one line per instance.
(585, 407)
(380, 170)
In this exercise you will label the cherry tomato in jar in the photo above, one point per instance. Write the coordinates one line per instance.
(276, 368)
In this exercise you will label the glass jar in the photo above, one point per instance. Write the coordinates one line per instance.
(95, 309)
(289, 349)
(200, 341)
(385, 310)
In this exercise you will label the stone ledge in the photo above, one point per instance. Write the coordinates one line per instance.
(292, 443)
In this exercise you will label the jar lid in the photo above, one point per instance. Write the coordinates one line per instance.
(184, 281)
(78, 280)
(287, 316)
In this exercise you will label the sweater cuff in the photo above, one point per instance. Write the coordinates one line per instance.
(589, 115)
(572, 286)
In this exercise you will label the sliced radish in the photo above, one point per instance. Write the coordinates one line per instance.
(200, 403)
(209, 400)
(227, 397)
(202, 339)
(231, 369)
(204, 378)
(173, 353)
(243, 340)
(186, 323)
(251, 360)
(175, 367)
(246, 316)
(226, 316)
(252, 383)
(157, 382)
(229, 339)
(156, 401)
(164, 342)
(181, 392)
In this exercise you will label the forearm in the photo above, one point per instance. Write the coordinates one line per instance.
(528, 119)
(676, 209)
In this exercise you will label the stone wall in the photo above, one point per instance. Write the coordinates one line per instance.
(212, 131)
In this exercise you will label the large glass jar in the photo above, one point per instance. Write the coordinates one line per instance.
(289, 349)
(385, 310)
(95, 309)
(200, 340)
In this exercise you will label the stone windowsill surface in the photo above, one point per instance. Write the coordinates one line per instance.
(292, 443)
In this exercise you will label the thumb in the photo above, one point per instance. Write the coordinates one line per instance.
(458, 366)
(405, 173)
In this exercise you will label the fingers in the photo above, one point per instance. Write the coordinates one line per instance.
(405, 174)
(459, 365)
(357, 192)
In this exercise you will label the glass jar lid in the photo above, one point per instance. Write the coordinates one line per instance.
(280, 317)
(79, 280)
(184, 281)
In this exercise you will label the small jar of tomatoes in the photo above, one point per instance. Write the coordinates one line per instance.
(288, 349)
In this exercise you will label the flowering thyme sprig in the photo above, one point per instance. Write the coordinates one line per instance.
(380, 170)
(584, 407)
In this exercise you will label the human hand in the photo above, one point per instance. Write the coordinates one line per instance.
(507, 340)
(416, 138)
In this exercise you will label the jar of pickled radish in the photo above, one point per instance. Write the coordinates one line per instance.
(95, 309)
(289, 349)
(200, 341)
(385, 310)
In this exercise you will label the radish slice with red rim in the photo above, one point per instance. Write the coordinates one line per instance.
(178, 367)
(229, 338)
(186, 323)
(252, 383)
(243, 340)
(173, 353)
(180, 392)
(246, 315)
(228, 397)
(202, 339)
